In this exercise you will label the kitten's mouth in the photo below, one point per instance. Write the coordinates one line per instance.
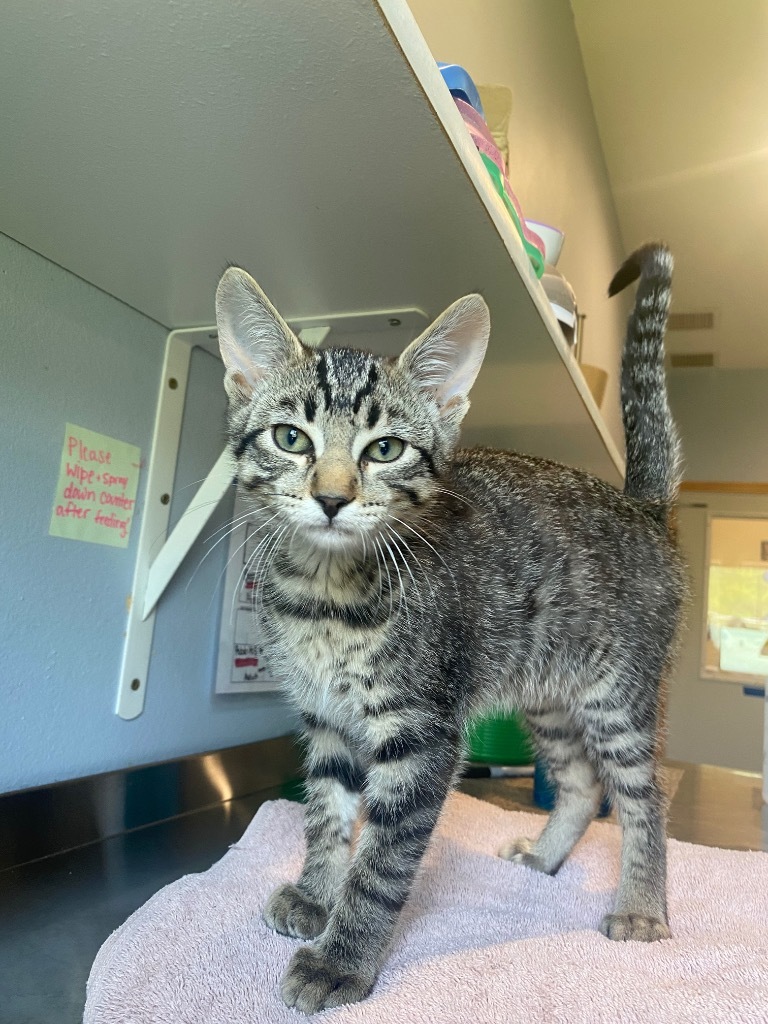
(333, 534)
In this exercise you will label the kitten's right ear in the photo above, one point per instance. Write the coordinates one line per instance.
(445, 360)
(253, 337)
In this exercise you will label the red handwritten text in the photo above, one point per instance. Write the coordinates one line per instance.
(86, 454)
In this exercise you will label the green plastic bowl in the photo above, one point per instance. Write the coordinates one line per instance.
(502, 739)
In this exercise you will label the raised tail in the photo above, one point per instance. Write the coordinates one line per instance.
(653, 449)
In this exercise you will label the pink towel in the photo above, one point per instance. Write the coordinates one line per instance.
(482, 940)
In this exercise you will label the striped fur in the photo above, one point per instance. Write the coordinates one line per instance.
(448, 582)
(653, 458)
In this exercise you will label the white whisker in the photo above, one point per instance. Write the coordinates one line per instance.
(397, 540)
(386, 569)
(248, 537)
(431, 547)
(243, 574)
(266, 564)
(162, 536)
(242, 518)
(230, 528)
(403, 598)
(453, 494)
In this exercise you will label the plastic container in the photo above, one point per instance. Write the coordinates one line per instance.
(499, 740)
(494, 164)
(552, 238)
(460, 84)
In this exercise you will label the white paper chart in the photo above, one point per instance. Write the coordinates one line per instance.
(243, 666)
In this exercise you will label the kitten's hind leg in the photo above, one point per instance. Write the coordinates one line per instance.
(578, 793)
(627, 760)
(332, 787)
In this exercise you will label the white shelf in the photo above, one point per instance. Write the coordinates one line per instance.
(148, 144)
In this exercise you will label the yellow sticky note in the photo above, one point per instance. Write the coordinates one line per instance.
(96, 493)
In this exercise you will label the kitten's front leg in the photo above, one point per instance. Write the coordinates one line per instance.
(405, 790)
(333, 788)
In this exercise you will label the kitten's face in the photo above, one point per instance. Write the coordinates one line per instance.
(342, 447)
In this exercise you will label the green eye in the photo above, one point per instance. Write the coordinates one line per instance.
(291, 439)
(386, 449)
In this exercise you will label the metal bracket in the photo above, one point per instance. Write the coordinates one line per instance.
(157, 506)
(158, 558)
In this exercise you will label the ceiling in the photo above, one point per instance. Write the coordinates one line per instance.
(680, 93)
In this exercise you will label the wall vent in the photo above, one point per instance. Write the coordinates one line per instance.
(691, 321)
(679, 360)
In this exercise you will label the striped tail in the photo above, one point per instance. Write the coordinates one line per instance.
(653, 450)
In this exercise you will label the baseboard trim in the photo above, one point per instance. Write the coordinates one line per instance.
(41, 822)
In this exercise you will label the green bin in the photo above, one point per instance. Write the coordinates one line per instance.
(500, 739)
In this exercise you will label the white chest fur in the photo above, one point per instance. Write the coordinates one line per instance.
(327, 661)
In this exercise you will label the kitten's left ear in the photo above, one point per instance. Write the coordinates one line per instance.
(446, 358)
(253, 337)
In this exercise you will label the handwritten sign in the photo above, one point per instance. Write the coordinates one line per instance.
(96, 493)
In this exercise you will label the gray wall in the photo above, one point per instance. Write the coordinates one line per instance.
(723, 419)
(73, 354)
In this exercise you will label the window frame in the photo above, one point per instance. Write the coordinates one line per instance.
(737, 678)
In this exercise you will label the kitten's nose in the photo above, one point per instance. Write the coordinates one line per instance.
(331, 503)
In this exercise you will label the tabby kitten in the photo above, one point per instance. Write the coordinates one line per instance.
(409, 584)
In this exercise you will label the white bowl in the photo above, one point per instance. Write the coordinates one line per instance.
(551, 237)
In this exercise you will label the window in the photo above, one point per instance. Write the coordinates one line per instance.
(736, 634)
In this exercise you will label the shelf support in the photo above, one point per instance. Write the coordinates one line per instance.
(166, 438)
(187, 530)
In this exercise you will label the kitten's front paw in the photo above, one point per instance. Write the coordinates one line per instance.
(292, 913)
(520, 851)
(635, 927)
(313, 982)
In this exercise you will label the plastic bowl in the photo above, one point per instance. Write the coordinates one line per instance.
(501, 739)
(551, 237)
